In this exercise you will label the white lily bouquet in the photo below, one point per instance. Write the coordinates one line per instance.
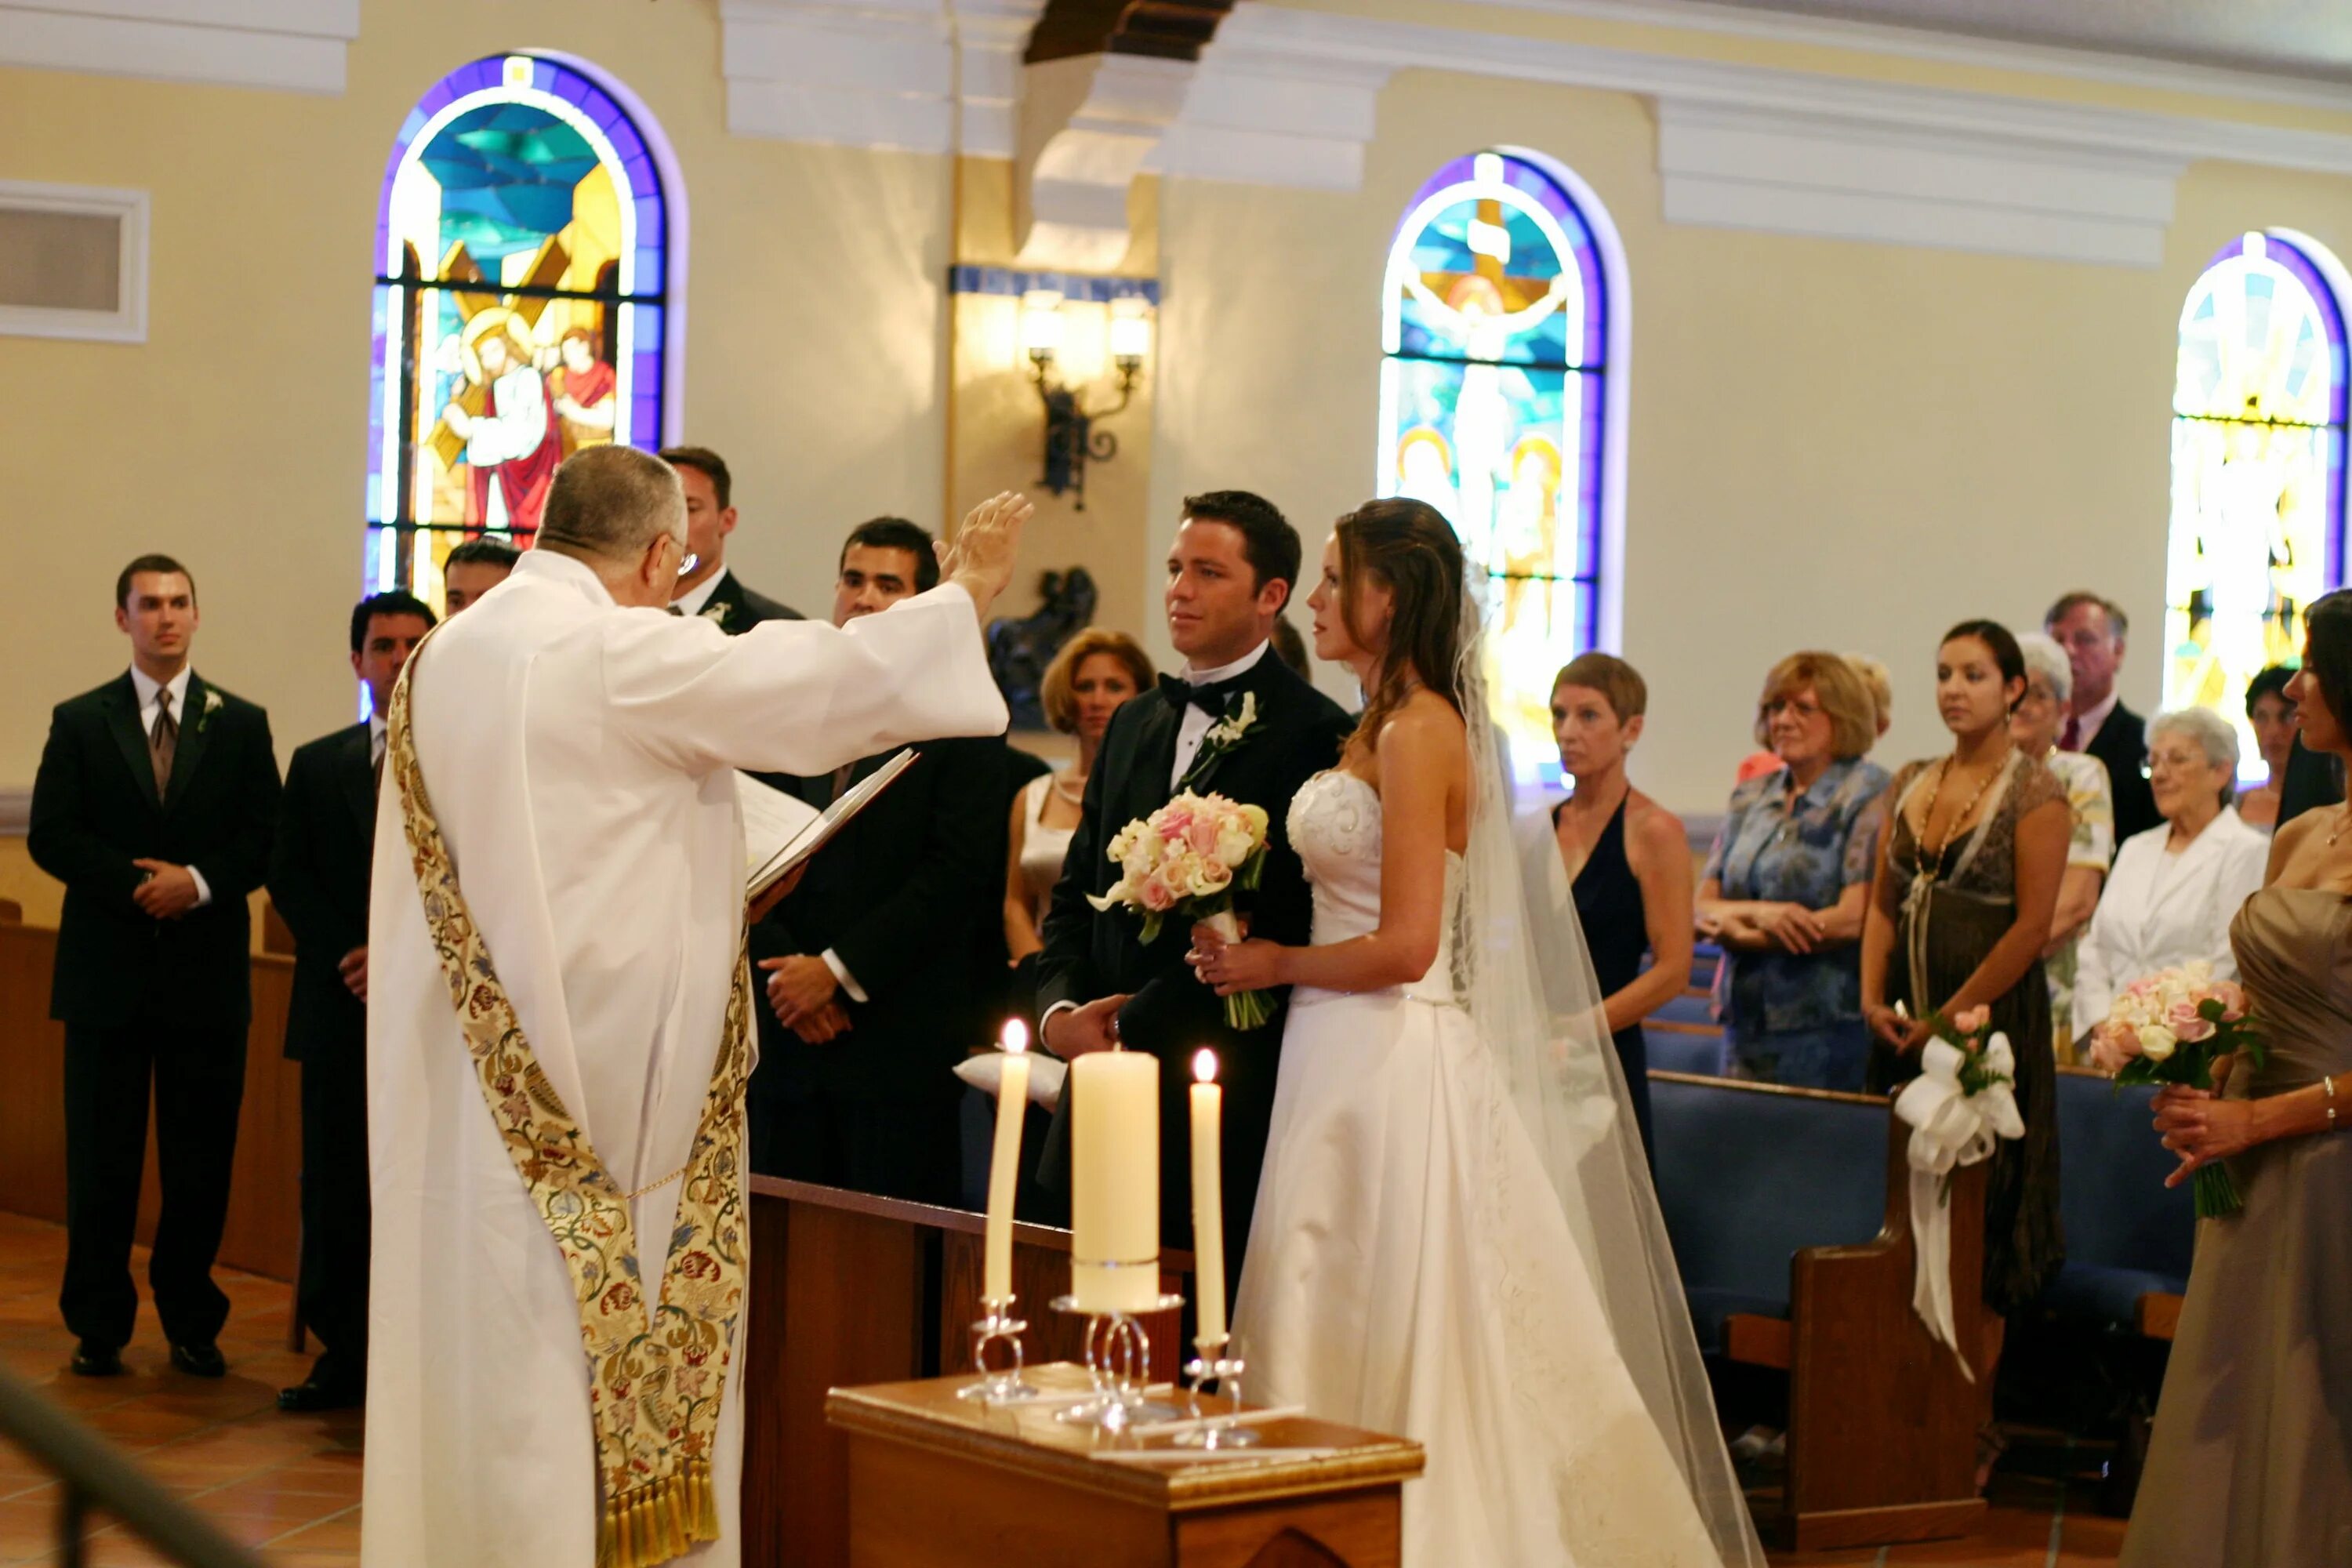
(1961, 1107)
(1187, 861)
(2170, 1027)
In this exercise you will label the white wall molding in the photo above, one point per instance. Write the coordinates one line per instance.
(2078, 64)
(296, 45)
(1288, 98)
(1088, 123)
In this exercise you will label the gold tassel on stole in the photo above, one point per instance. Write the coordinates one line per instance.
(653, 1524)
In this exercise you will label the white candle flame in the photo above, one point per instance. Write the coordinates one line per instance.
(1204, 1065)
(1015, 1037)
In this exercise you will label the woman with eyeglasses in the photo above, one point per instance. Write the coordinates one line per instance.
(1789, 879)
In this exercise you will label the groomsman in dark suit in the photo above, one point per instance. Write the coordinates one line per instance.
(872, 966)
(710, 590)
(2093, 631)
(154, 805)
(318, 881)
(1230, 572)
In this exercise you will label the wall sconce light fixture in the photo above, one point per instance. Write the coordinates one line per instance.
(1071, 439)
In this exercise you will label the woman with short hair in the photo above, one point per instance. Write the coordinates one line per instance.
(1788, 882)
(2271, 711)
(2175, 887)
(2091, 818)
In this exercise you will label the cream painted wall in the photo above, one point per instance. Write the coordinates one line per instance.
(235, 438)
(1831, 444)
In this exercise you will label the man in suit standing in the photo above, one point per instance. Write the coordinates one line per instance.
(318, 881)
(1230, 571)
(2093, 631)
(154, 805)
(710, 590)
(872, 964)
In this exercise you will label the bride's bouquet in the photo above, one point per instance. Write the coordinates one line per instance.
(2170, 1027)
(1186, 860)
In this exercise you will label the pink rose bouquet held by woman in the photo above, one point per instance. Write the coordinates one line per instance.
(2170, 1027)
(1186, 861)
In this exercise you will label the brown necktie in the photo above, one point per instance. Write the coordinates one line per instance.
(163, 742)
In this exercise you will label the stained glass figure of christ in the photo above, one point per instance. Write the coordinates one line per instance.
(522, 264)
(2258, 434)
(1494, 323)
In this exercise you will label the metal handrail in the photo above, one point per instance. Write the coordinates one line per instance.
(94, 1476)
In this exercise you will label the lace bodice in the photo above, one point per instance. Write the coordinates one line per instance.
(1335, 826)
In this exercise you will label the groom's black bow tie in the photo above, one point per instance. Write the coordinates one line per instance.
(1209, 698)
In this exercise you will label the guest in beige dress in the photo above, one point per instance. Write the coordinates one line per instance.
(2250, 1465)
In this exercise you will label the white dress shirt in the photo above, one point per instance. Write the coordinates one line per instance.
(2160, 910)
(1196, 721)
(379, 730)
(148, 688)
(692, 601)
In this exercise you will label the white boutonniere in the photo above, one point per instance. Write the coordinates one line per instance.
(1224, 735)
(213, 704)
(716, 614)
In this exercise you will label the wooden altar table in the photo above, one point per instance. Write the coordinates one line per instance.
(936, 1481)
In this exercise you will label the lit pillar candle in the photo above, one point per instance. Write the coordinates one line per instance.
(1115, 1182)
(1004, 1161)
(1208, 1198)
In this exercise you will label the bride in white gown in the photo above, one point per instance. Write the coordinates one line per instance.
(1456, 1237)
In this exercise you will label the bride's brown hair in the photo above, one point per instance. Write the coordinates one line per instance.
(1408, 547)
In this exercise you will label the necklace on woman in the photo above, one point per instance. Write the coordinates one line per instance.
(1936, 796)
(2343, 821)
(1070, 787)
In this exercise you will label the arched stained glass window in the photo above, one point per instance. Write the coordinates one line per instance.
(1495, 322)
(2258, 451)
(521, 263)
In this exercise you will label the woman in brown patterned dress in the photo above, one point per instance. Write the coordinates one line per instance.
(2250, 1464)
(1968, 883)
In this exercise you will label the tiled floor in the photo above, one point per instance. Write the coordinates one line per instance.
(291, 1485)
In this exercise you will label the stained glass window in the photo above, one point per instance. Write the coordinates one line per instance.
(520, 269)
(2258, 434)
(1494, 323)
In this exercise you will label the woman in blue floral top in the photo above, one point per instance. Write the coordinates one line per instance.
(1788, 881)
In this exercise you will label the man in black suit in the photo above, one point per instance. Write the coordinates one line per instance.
(318, 881)
(710, 590)
(873, 963)
(154, 805)
(1230, 571)
(2093, 632)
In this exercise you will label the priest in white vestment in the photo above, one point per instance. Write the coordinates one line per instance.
(578, 748)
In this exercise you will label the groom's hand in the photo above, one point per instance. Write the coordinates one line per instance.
(1076, 1031)
(980, 558)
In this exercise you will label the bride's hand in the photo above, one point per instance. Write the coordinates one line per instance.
(1230, 967)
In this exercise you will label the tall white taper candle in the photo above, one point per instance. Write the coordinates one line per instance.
(1004, 1161)
(1208, 1198)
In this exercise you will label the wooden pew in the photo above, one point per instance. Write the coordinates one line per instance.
(1882, 1421)
(264, 1217)
(917, 1272)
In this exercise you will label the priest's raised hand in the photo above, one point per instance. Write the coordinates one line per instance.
(558, 1017)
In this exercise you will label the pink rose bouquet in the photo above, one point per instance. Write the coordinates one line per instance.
(2170, 1027)
(1185, 861)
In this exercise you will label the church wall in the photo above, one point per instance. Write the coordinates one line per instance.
(1832, 444)
(236, 437)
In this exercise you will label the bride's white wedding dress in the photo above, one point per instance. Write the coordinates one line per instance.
(1411, 1267)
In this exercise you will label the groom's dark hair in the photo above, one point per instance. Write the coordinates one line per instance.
(1268, 542)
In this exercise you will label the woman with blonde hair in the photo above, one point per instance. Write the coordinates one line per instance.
(1094, 672)
(1788, 882)
(2090, 818)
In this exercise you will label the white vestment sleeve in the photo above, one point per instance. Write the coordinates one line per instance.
(800, 697)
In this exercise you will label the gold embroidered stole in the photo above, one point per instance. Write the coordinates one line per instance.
(655, 1376)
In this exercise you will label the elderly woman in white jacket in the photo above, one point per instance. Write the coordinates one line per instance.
(2175, 889)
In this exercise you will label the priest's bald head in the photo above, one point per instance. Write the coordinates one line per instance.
(622, 512)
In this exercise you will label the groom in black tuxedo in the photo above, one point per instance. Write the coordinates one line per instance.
(1230, 572)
